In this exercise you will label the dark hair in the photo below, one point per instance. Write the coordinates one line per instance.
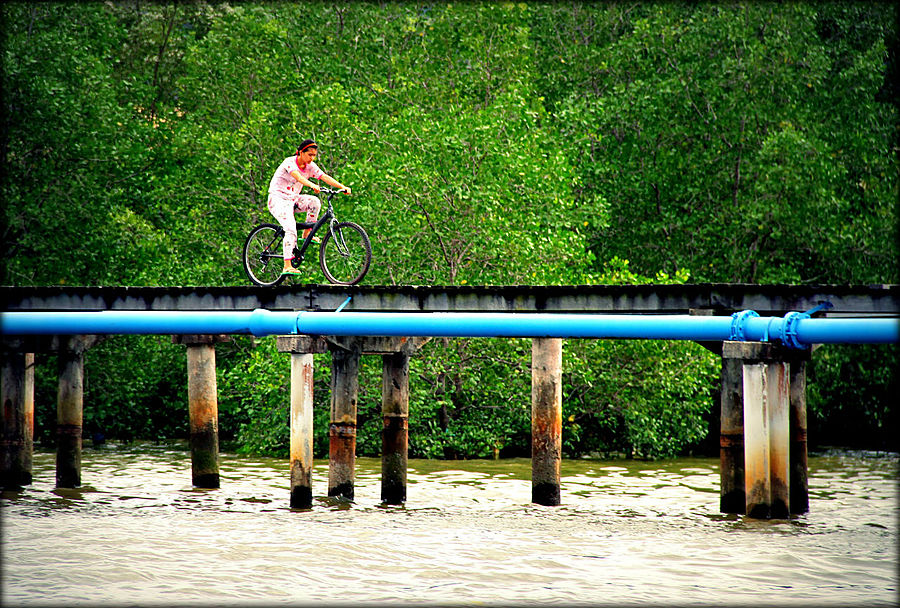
(306, 143)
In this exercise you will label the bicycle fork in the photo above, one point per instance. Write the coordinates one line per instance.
(338, 238)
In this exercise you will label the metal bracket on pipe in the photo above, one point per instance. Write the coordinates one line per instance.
(825, 305)
(738, 322)
(341, 307)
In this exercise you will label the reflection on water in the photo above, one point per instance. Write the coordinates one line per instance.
(628, 532)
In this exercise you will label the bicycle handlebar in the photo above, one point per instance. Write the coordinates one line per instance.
(330, 190)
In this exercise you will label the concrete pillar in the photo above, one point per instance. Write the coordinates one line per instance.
(395, 436)
(799, 482)
(395, 352)
(301, 349)
(69, 412)
(765, 393)
(15, 471)
(766, 444)
(29, 411)
(732, 498)
(301, 430)
(203, 407)
(546, 420)
(342, 430)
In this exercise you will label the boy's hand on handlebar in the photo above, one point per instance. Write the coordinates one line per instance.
(345, 190)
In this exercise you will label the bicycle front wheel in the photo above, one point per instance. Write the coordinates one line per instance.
(263, 258)
(345, 253)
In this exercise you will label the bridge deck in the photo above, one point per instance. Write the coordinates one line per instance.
(721, 298)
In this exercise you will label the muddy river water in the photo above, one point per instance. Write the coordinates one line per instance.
(628, 532)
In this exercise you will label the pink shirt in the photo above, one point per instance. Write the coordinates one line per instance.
(284, 183)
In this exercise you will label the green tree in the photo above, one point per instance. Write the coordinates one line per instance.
(486, 144)
(685, 117)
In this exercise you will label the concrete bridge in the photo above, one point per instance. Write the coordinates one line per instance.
(763, 398)
(720, 298)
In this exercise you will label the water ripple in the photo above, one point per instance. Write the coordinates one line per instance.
(627, 532)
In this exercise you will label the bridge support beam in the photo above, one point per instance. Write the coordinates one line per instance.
(345, 352)
(763, 436)
(799, 478)
(15, 448)
(395, 433)
(732, 498)
(17, 445)
(395, 355)
(301, 349)
(342, 426)
(203, 406)
(301, 442)
(766, 446)
(29, 412)
(546, 420)
(395, 352)
(70, 411)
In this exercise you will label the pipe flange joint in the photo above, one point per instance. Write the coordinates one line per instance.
(738, 324)
(789, 334)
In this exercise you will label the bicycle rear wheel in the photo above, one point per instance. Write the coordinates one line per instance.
(345, 253)
(263, 258)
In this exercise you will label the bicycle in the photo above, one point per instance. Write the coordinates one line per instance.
(345, 252)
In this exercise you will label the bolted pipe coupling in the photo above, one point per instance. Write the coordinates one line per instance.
(789, 330)
(792, 319)
(739, 324)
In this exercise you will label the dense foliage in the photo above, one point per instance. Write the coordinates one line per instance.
(487, 143)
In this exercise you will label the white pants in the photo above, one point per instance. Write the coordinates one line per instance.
(283, 208)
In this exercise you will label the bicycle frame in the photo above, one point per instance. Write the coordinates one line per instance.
(328, 216)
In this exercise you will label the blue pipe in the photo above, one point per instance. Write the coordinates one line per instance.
(661, 327)
(795, 329)
(513, 325)
(259, 322)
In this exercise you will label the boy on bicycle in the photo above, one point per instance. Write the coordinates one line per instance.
(285, 198)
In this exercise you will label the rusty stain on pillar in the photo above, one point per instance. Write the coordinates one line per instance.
(29, 412)
(301, 349)
(69, 413)
(732, 498)
(342, 430)
(546, 420)
(301, 430)
(767, 435)
(14, 470)
(203, 408)
(757, 482)
(778, 398)
(799, 457)
(395, 436)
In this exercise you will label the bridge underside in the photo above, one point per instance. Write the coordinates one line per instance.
(720, 298)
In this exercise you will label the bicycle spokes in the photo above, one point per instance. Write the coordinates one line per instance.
(345, 253)
(262, 255)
